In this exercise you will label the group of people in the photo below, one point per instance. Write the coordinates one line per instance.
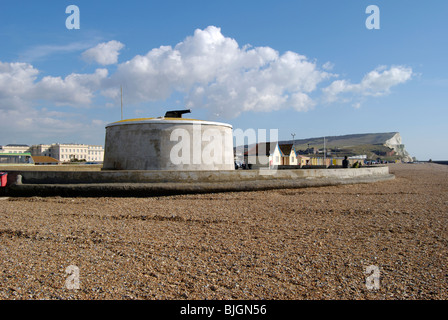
(243, 166)
(346, 164)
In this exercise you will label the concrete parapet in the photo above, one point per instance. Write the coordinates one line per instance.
(153, 176)
(151, 183)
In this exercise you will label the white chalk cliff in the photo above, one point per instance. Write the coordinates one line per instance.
(396, 143)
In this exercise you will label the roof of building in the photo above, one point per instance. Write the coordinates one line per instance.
(265, 148)
(166, 120)
(44, 159)
(285, 148)
(157, 118)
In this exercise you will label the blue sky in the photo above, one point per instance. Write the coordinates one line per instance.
(306, 67)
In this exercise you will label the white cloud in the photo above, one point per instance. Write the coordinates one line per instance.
(27, 124)
(75, 89)
(376, 83)
(104, 53)
(328, 66)
(16, 80)
(209, 70)
(21, 92)
(19, 86)
(43, 51)
(214, 72)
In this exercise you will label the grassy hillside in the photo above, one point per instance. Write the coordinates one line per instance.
(370, 144)
(346, 140)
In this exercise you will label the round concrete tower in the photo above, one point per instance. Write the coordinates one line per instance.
(168, 143)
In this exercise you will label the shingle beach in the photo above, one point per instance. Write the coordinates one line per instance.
(289, 244)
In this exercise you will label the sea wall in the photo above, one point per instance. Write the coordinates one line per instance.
(134, 183)
(157, 176)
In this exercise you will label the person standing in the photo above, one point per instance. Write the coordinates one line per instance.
(345, 162)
